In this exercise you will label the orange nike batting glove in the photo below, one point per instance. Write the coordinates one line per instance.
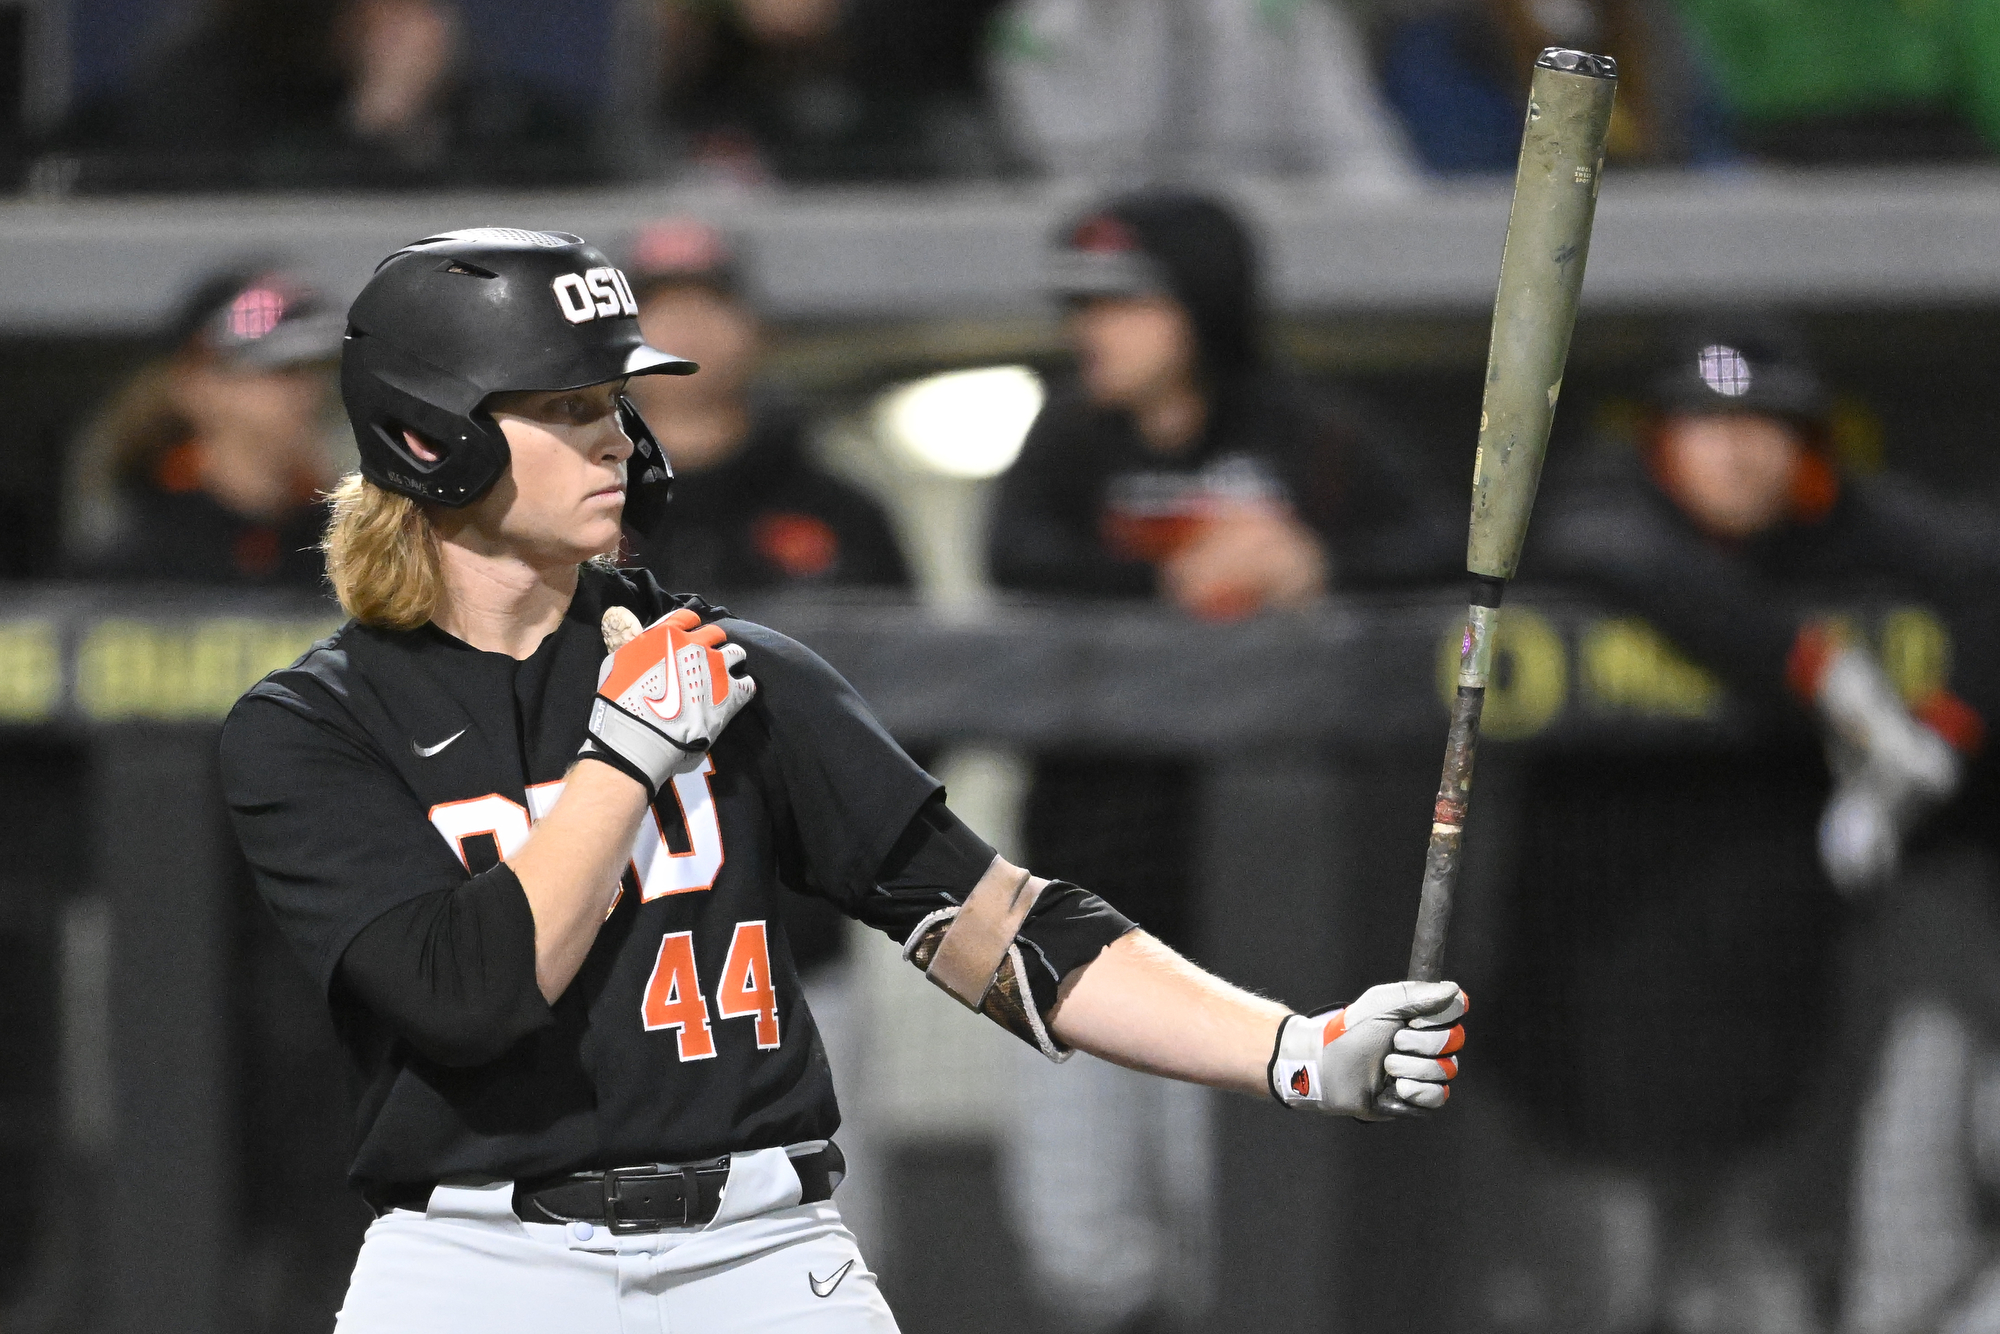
(663, 695)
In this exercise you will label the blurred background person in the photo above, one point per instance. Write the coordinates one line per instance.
(1183, 461)
(1184, 465)
(1113, 90)
(814, 90)
(753, 511)
(1456, 72)
(1698, 905)
(374, 93)
(207, 466)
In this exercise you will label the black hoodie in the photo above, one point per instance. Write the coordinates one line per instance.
(1267, 430)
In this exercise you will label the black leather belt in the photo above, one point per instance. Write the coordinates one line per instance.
(644, 1199)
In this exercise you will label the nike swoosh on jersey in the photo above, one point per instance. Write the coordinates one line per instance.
(824, 1288)
(425, 752)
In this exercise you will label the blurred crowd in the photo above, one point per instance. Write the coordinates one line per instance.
(245, 94)
(1739, 993)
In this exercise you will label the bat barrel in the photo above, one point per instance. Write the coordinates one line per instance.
(1541, 273)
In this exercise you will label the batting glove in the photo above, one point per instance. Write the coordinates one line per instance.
(1890, 770)
(1390, 1053)
(664, 694)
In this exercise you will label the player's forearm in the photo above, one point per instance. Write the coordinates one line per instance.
(1141, 1005)
(570, 865)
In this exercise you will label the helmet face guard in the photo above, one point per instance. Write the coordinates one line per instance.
(452, 319)
(649, 477)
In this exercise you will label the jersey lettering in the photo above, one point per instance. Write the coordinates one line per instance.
(505, 821)
(673, 998)
(745, 991)
(656, 867)
(662, 871)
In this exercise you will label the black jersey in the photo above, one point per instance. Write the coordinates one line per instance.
(386, 765)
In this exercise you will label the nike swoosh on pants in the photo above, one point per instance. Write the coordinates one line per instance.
(824, 1288)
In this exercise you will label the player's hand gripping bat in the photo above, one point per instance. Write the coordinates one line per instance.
(1541, 271)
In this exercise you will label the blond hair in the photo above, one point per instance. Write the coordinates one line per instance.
(382, 556)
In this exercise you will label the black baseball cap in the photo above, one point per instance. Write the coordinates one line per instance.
(1740, 367)
(260, 319)
(1101, 254)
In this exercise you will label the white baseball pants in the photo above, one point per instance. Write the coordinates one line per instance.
(467, 1265)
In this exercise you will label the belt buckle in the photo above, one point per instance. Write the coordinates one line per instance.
(690, 1197)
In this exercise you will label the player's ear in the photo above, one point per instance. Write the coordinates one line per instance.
(417, 446)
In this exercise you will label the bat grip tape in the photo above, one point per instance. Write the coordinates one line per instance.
(976, 942)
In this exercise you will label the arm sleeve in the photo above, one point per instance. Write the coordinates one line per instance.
(1044, 536)
(936, 863)
(849, 789)
(333, 837)
(871, 832)
(453, 971)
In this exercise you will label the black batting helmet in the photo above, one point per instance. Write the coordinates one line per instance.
(452, 318)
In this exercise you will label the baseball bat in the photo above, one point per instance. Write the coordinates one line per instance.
(1534, 313)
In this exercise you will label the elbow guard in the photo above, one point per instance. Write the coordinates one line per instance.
(970, 952)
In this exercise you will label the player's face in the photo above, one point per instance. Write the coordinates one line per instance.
(1131, 349)
(1732, 472)
(563, 493)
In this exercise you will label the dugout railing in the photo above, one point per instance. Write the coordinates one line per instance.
(1315, 734)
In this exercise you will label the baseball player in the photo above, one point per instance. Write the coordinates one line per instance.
(538, 880)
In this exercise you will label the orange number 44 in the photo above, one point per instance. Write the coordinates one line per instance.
(673, 998)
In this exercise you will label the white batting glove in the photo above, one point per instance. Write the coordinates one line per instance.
(1889, 769)
(1390, 1053)
(664, 694)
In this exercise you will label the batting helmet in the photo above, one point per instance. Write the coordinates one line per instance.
(452, 318)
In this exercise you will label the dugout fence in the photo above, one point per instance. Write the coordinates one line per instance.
(1315, 737)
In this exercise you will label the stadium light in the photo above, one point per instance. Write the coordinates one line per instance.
(962, 423)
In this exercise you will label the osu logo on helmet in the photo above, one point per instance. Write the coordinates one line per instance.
(595, 292)
(1302, 1082)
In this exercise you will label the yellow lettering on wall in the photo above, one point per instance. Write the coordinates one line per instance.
(1628, 665)
(128, 669)
(1530, 679)
(30, 670)
(1916, 652)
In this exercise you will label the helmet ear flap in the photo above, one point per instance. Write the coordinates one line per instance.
(387, 393)
(394, 438)
(649, 477)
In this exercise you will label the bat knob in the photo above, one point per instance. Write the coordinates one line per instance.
(1577, 62)
(620, 628)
